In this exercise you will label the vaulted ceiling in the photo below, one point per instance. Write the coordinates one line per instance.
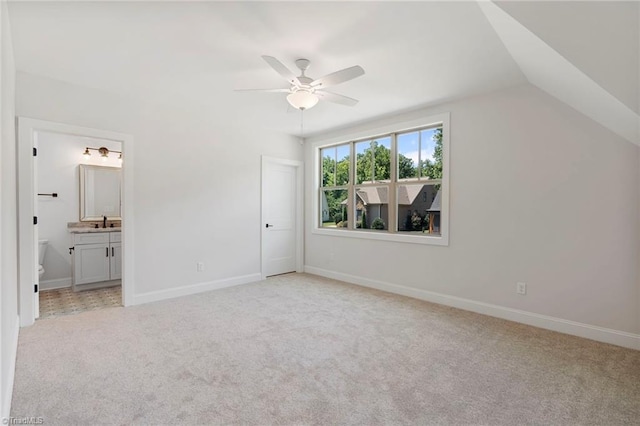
(414, 53)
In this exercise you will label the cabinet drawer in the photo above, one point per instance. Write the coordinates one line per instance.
(115, 237)
(91, 238)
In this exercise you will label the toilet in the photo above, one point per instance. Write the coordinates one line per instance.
(42, 249)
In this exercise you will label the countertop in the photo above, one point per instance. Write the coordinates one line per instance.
(84, 230)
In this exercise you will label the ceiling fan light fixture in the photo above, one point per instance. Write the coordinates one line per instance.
(302, 99)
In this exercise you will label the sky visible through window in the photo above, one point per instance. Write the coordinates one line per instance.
(408, 145)
(416, 151)
(362, 146)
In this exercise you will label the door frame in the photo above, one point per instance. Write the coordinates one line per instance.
(299, 166)
(27, 128)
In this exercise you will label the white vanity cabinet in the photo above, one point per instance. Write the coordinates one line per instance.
(115, 249)
(97, 260)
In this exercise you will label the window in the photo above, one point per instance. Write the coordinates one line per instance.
(373, 160)
(420, 161)
(392, 186)
(336, 168)
(372, 207)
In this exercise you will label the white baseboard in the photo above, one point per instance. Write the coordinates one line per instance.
(155, 296)
(55, 284)
(601, 334)
(11, 373)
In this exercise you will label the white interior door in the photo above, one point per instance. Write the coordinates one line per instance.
(281, 215)
(36, 251)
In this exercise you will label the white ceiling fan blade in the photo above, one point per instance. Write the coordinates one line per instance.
(338, 77)
(335, 98)
(263, 90)
(281, 69)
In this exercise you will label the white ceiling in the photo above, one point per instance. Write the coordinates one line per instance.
(414, 54)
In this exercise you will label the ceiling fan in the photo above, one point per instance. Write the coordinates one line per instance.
(305, 92)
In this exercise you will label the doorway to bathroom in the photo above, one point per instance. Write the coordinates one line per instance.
(78, 191)
(73, 185)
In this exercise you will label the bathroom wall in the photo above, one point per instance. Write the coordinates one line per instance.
(57, 166)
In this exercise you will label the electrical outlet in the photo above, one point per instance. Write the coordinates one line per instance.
(521, 288)
(200, 266)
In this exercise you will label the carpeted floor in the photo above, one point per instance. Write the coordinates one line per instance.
(298, 349)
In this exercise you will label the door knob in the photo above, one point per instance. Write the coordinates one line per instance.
(268, 226)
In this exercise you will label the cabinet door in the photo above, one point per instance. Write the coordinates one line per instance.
(91, 263)
(116, 261)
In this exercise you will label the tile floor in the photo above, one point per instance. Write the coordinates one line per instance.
(64, 301)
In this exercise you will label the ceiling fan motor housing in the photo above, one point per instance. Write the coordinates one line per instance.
(303, 64)
(305, 81)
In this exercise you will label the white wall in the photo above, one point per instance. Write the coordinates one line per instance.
(59, 157)
(539, 193)
(196, 181)
(8, 218)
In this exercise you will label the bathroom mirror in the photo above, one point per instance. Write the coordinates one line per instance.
(100, 193)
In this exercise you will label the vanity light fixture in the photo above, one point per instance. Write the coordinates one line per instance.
(104, 153)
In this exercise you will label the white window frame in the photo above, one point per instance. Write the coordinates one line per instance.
(401, 127)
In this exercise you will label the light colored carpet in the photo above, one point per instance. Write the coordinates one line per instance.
(64, 301)
(298, 349)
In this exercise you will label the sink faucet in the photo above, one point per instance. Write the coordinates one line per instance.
(104, 221)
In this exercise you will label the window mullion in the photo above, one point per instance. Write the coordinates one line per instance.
(335, 168)
(419, 155)
(351, 193)
(373, 162)
(392, 191)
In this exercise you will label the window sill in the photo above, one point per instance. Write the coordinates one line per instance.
(441, 240)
